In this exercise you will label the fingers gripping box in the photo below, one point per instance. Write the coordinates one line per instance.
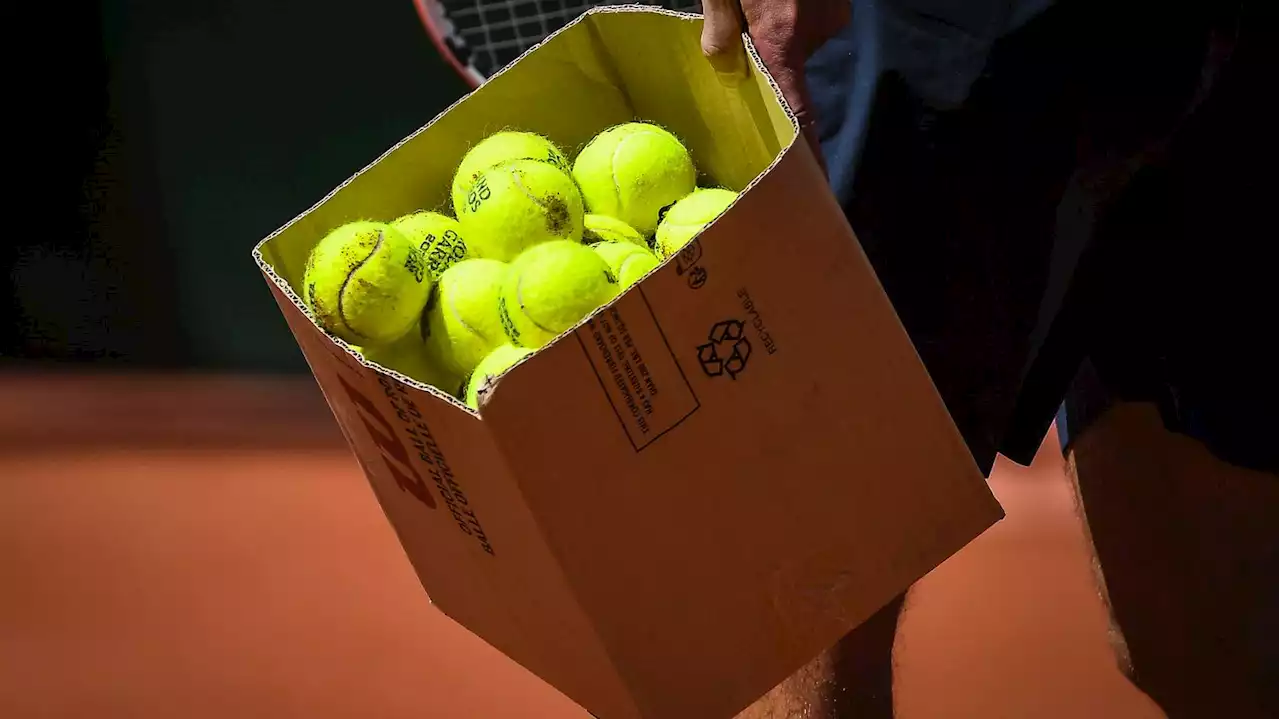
(687, 497)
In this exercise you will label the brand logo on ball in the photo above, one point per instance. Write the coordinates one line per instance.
(478, 194)
(443, 251)
(415, 263)
(508, 326)
(726, 351)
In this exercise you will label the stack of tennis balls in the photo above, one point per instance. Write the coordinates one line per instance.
(539, 243)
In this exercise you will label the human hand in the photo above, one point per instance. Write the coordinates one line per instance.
(785, 33)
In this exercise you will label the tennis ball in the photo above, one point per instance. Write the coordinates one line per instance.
(628, 262)
(408, 357)
(499, 148)
(687, 217)
(461, 323)
(490, 368)
(517, 205)
(550, 288)
(366, 283)
(632, 171)
(602, 228)
(438, 236)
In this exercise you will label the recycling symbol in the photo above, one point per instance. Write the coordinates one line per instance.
(726, 351)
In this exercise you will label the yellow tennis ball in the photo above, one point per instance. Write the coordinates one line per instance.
(438, 236)
(686, 218)
(551, 287)
(408, 357)
(461, 323)
(493, 366)
(517, 205)
(366, 283)
(499, 148)
(602, 228)
(632, 171)
(628, 262)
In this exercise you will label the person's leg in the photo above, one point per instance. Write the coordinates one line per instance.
(1186, 548)
(1177, 478)
(853, 679)
(964, 149)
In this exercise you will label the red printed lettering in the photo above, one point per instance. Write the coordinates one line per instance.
(393, 450)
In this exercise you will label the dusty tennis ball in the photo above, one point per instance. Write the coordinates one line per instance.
(602, 228)
(490, 369)
(632, 171)
(408, 357)
(628, 262)
(550, 288)
(438, 236)
(366, 283)
(461, 322)
(688, 217)
(496, 149)
(517, 205)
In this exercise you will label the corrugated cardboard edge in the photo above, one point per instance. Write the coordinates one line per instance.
(757, 65)
(267, 269)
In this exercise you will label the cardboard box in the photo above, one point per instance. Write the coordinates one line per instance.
(683, 500)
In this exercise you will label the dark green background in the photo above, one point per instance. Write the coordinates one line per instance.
(176, 135)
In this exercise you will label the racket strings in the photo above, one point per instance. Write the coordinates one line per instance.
(496, 32)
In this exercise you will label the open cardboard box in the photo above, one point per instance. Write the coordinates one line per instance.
(686, 498)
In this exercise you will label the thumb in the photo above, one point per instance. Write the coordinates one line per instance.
(722, 36)
(788, 71)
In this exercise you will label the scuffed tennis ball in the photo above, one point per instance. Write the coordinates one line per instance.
(499, 148)
(366, 283)
(490, 368)
(551, 287)
(602, 228)
(632, 171)
(687, 217)
(461, 323)
(517, 205)
(627, 261)
(438, 236)
(408, 357)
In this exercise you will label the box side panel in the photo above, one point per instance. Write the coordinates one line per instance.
(744, 457)
(752, 467)
(461, 519)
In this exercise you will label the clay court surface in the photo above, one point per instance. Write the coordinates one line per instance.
(207, 547)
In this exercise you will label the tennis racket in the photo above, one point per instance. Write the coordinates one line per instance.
(480, 37)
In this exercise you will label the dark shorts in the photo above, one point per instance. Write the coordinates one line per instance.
(1068, 201)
